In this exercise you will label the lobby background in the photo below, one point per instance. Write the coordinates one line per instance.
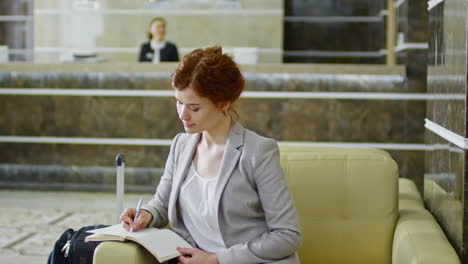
(51, 112)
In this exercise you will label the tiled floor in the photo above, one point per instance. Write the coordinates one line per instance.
(31, 221)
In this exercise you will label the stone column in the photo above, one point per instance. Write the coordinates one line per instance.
(445, 189)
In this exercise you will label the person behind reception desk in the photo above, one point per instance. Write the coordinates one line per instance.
(223, 189)
(157, 49)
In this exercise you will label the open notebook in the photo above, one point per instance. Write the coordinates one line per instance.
(161, 243)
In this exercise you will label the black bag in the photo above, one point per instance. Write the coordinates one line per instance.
(71, 248)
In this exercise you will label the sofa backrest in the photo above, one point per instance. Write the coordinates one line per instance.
(347, 201)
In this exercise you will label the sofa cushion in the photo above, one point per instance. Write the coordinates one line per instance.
(347, 201)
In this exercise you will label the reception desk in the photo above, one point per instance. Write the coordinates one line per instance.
(77, 117)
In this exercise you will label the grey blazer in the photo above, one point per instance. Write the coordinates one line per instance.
(256, 213)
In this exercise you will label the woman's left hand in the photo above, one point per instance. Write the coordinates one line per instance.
(196, 256)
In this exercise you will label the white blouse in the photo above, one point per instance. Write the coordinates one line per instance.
(199, 212)
(157, 46)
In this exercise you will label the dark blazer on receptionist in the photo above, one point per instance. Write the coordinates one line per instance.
(168, 53)
(256, 213)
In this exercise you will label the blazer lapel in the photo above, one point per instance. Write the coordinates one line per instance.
(163, 53)
(231, 156)
(179, 177)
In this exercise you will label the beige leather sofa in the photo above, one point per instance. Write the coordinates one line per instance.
(353, 208)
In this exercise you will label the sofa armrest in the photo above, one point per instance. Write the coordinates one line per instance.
(418, 238)
(122, 252)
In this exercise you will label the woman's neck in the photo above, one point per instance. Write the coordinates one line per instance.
(155, 41)
(218, 135)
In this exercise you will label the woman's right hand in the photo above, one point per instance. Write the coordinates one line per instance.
(127, 216)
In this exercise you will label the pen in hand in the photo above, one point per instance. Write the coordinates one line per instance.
(136, 213)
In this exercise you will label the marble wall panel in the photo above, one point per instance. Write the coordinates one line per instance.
(410, 165)
(264, 117)
(25, 116)
(90, 166)
(66, 80)
(334, 59)
(363, 121)
(22, 80)
(92, 80)
(325, 83)
(334, 36)
(333, 8)
(65, 116)
(106, 116)
(143, 81)
(282, 119)
(126, 81)
(293, 120)
(86, 155)
(313, 81)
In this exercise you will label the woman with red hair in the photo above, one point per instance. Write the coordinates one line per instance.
(223, 189)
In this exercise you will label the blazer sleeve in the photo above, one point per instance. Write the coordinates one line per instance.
(158, 206)
(173, 54)
(143, 51)
(176, 54)
(284, 236)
